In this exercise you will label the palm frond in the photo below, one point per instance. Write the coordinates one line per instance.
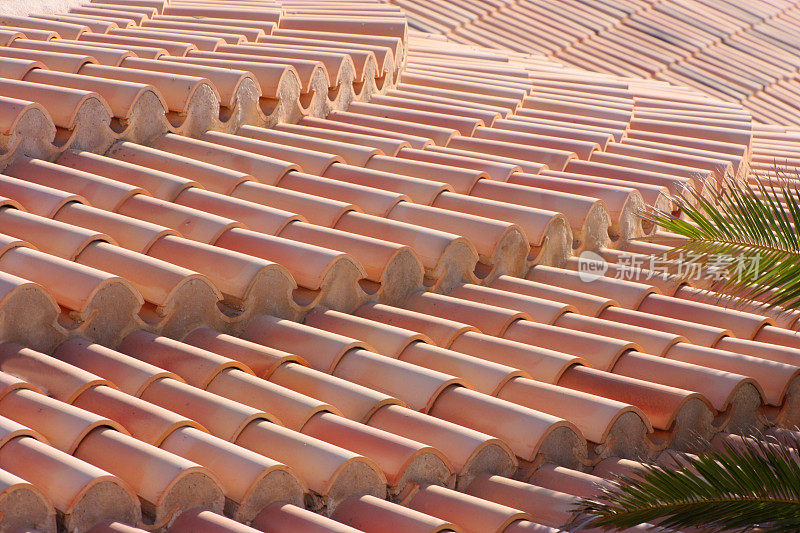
(755, 484)
(745, 234)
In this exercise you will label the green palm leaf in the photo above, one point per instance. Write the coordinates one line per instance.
(755, 484)
(746, 233)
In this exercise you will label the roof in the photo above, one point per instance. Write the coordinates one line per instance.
(308, 268)
(736, 52)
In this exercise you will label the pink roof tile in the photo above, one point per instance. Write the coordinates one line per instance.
(304, 254)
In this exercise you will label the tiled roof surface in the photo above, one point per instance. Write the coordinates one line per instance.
(299, 267)
(736, 51)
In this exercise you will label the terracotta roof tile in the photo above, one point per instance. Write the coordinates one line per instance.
(437, 191)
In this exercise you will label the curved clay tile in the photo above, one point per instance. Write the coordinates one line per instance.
(82, 493)
(354, 154)
(66, 30)
(369, 514)
(177, 48)
(356, 402)
(388, 340)
(547, 232)
(395, 44)
(652, 341)
(26, 127)
(264, 26)
(310, 130)
(491, 320)
(553, 438)
(325, 277)
(225, 12)
(41, 200)
(94, 25)
(237, 34)
(136, 7)
(84, 292)
(601, 352)
(159, 184)
(295, 409)
(130, 15)
(619, 429)
(97, 23)
(31, 33)
(742, 324)
(129, 374)
(568, 481)
(545, 506)
(495, 170)
(195, 365)
(262, 360)
(542, 364)
(312, 75)
(469, 512)
(678, 415)
(503, 104)
(223, 417)
(402, 461)
(380, 135)
(331, 473)
(82, 117)
(201, 520)
(9, 36)
(523, 164)
(774, 378)
(264, 168)
(438, 134)
(143, 420)
(484, 376)
(535, 307)
(191, 223)
(32, 508)
(323, 350)
(138, 109)
(199, 42)
(64, 426)
(416, 386)
(422, 191)
(395, 269)
(375, 64)
(502, 247)
(57, 379)
(380, 26)
(286, 518)
(238, 89)
(622, 200)
(193, 103)
(279, 87)
(146, 52)
(439, 79)
(316, 210)
(258, 286)
(50, 236)
(342, 73)
(16, 69)
(309, 160)
(172, 484)
(250, 480)
(454, 107)
(212, 177)
(373, 201)
(169, 291)
(587, 304)
(130, 233)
